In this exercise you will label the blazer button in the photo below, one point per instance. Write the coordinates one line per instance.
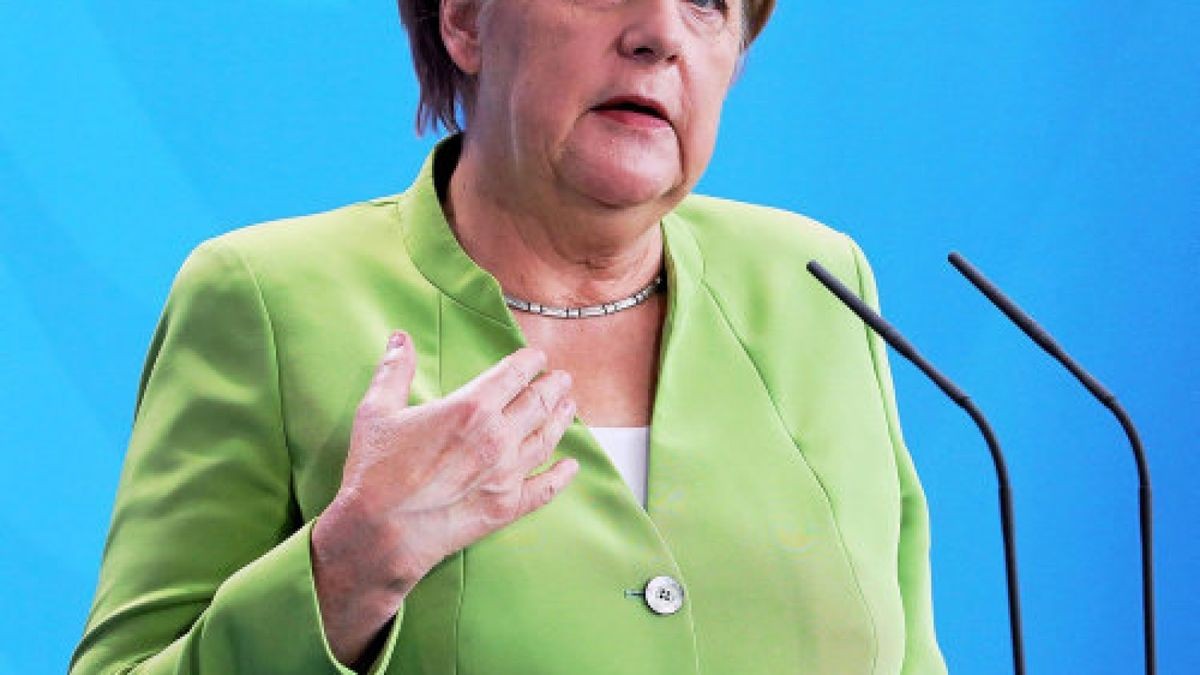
(664, 595)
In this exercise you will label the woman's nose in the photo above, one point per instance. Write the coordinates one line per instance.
(655, 31)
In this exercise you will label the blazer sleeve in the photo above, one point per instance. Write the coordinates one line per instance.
(921, 653)
(207, 567)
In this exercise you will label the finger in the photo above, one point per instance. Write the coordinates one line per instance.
(514, 468)
(539, 445)
(531, 408)
(537, 491)
(497, 386)
(393, 377)
(504, 443)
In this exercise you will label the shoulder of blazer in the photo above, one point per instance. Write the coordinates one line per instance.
(354, 242)
(754, 256)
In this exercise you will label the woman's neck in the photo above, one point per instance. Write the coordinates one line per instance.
(546, 247)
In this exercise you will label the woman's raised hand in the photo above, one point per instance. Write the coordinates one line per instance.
(422, 482)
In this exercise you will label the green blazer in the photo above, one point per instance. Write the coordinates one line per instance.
(780, 494)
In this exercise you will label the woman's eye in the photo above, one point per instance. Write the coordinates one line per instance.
(712, 5)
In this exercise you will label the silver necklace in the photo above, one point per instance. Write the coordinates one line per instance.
(589, 311)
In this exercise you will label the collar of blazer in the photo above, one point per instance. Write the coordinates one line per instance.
(441, 259)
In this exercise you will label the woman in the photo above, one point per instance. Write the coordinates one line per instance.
(294, 501)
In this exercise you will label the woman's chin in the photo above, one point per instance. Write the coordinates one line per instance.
(621, 187)
(623, 168)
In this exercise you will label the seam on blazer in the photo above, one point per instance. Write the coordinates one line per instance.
(266, 316)
(462, 590)
(887, 413)
(841, 542)
(462, 554)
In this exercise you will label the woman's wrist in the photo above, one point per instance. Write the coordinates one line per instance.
(357, 602)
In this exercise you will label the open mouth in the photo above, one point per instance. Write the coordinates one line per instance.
(633, 111)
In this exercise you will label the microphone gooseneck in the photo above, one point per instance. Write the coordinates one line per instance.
(1047, 343)
(1008, 529)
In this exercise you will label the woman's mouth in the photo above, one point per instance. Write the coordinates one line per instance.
(634, 112)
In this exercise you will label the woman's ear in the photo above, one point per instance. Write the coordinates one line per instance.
(459, 23)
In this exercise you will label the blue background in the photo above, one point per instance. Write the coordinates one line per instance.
(1055, 143)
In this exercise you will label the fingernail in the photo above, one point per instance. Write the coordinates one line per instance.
(396, 340)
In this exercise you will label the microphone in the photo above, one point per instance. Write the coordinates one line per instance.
(1106, 398)
(897, 341)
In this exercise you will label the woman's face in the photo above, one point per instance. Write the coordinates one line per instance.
(617, 102)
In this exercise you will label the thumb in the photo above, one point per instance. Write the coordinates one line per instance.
(394, 376)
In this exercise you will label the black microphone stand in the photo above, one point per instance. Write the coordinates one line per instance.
(1047, 343)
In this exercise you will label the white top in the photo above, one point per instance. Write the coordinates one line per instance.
(629, 449)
